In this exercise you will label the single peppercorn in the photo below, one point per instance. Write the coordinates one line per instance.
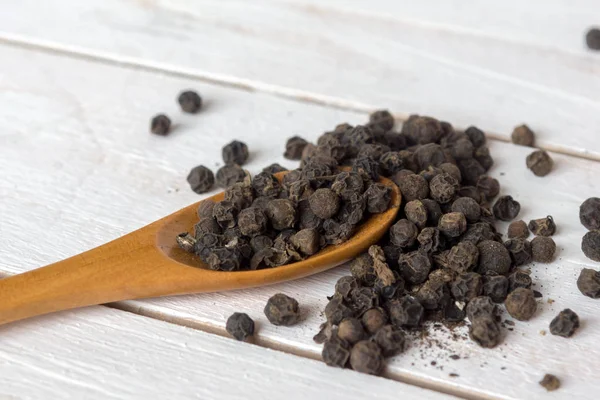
(592, 39)
(488, 186)
(521, 304)
(523, 136)
(466, 286)
(405, 312)
(382, 118)
(520, 251)
(540, 163)
(588, 283)
(480, 306)
(336, 310)
(476, 136)
(453, 224)
(366, 357)
(485, 331)
(467, 206)
(160, 125)
(345, 285)
(378, 198)
(390, 340)
(415, 266)
(240, 326)
(294, 148)
(519, 279)
(518, 230)
(201, 179)
(542, 249)
(506, 208)
(463, 257)
(373, 320)
(235, 152)
(565, 323)
(550, 382)
(590, 245)
(543, 226)
(403, 233)
(190, 101)
(351, 330)
(493, 257)
(430, 240)
(336, 352)
(422, 130)
(281, 213)
(443, 188)
(324, 203)
(589, 213)
(306, 241)
(227, 175)
(416, 213)
(412, 186)
(495, 287)
(282, 310)
(252, 221)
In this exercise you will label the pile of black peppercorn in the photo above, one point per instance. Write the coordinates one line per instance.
(264, 222)
(443, 258)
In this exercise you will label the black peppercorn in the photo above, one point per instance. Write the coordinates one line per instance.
(201, 179)
(366, 357)
(235, 152)
(335, 352)
(282, 310)
(518, 230)
(190, 101)
(493, 257)
(520, 251)
(467, 206)
(374, 319)
(506, 208)
(539, 162)
(590, 244)
(227, 175)
(240, 326)
(390, 340)
(294, 147)
(523, 136)
(351, 330)
(565, 323)
(495, 287)
(542, 249)
(160, 125)
(403, 233)
(588, 283)
(463, 257)
(521, 304)
(589, 213)
(480, 306)
(485, 331)
(453, 224)
(543, 226)
(592, 39)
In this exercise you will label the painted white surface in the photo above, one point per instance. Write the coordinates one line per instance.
(101, 353)
(463, 63)
(79, 169)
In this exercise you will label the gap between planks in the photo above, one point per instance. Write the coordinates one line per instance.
(302, 96)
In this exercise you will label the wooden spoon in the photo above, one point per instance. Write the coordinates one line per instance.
(149, 263)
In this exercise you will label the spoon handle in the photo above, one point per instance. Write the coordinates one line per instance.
(105, 274)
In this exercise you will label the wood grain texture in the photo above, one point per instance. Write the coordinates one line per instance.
(339, 54)
(92, 172)
(101, 353)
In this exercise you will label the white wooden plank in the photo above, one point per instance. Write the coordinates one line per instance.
(354, 59)
(93, 172)
(101, 353)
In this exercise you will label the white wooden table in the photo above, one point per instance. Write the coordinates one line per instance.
(80, 80)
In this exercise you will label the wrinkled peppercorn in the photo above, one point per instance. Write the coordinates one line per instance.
(201, 179)
(453, 224)
(443, 188)
(466, 286)
(416, 213)
(282, 310)
(519, 279)
(480, 306)
(488, 186)
(294, 147)
(540, 163)
(240, 326)
(190, 101)
(592, 39)
(485, 331)
(390, 340)
(403, 233)
(336, 310)
(160, 125)
(520, 251)
(523, 136)
(495, 287)
(542, 249)
(463, 257)
(265, 184)
(493, 257)
(335, 352)
(373, 320)
(227, 175)
(588, 283)
(506, 208)
(589, 213)
(430, 240)
(565, 323)
(378, 198)
(281, 213)
(412, 186)
(518, 230)
(405, 312)
(468, 207)
(235, 152)
(521, 304)
(366, 357)
(590, 245)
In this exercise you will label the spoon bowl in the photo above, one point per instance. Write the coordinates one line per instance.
(149, 263)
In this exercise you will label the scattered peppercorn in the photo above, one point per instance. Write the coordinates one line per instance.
(235, 152)
(227, 175)
(540, 163)
(543, 226)
(240, 326)
(506, 208)
(592, 39)
(550, 382)
(523, 136)
(201, 179)
(190, 101)
(160, 125)
(485, 331)
(565, 323)
(521, 304)
(590, 244)
(588, 283)
(282, 310)
(589, 213)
